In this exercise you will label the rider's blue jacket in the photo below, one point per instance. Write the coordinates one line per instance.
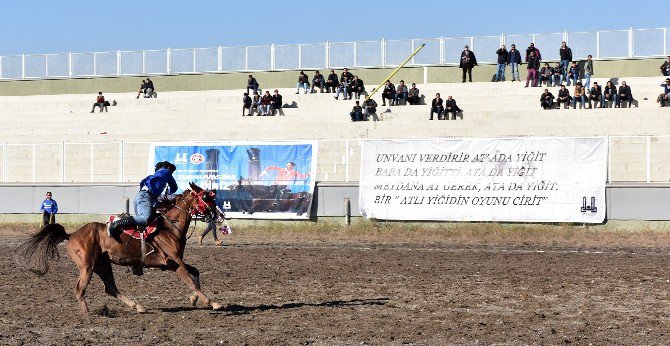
(156, 182)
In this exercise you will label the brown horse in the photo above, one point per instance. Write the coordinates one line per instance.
(93, 251)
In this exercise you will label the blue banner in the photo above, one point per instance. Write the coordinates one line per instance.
(264, 180)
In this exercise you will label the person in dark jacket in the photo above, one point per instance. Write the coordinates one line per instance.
(357, 112)
(566, 56)
(596, 95)
(436, 106)
(468, 61)
(252, 84)
(344, 88)
(514, 60)
(624, 95)
(450, 106)
(370, 109)
(357, 87)
(531, 48)
(663, 97)
(276, 104)
(303, 82)
(318, 81)
(246, 104)
(503, 58)
(332, 83)
(563, 97)
(610, 94)
(346, 74)
(401, 93)
(533, 66)
(413, 95)
(665, 67)
(48, 208)
(388, 93)
(557, 74)
(573, 73)
(143, 87)
(546, 74)
(149, 91)
(547, 99)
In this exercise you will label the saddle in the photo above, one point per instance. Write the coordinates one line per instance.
(139, 232)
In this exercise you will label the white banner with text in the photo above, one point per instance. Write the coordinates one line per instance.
(550, 179)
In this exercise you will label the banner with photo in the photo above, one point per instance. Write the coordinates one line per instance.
(259, 180)
(498, 179)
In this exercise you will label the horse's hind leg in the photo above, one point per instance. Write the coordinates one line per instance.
(194, 273)
(181, 269)
(84, 261)
(103, 267)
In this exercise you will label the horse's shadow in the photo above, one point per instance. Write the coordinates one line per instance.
(237, 309)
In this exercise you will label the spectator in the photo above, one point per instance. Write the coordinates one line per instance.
(514, 62)
(624, 95)
(48, 208)
(143, 87)
(596, 95)
(610, 95)
(149, 91)
(547, 99)
(347, 74)
(413, 95)
(468, 61)
(357, 87)
(451, 107)
(370, 109)
(503, 58)
(246, 103)
(252, 84)
(579, 95)
(357, 112)
(211, 222)
(663, 98)
(344, 89)
(100, 102)
(318, 81)
(531, 48)
(388, 93)
(563, 97)
(573, 73)
(256, 104)
(533, 66)
(332, 84)
(566, 56)
(277, 103)
(558, 74)
(546, 74)
(665, 68)
(436, 107)
(303, 82)
(401, 93)
(266, 101)
(588, 69)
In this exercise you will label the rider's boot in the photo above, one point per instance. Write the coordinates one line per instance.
(113, 227)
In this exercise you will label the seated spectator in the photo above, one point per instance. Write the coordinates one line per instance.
(563, 97)
(318, 81)
(256, 104)
(276, 103)
(303, 82)
(332, 83)
(557, 74)
(357, 112)
(436, 107)
(252, 84)
(413, 95)
(546, 74)
(573, 73)
(401, 93)
(579, 95)
(663, 98)
(149, 90)
(100, 102)
(388, 93)
(347, 74)
(344, 88)
(370, 109)
(266, 102)
(596, 95)
(143, 87)
(451, 107)
(246, 103)
(357, 87)
(547, 99)
(610, 95)
(624, 95)
(665, 68)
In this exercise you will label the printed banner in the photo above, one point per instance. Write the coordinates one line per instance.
(503, 179)
(264, 180)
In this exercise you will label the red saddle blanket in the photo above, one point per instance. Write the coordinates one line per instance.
(134, 232)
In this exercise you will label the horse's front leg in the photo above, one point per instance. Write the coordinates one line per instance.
(181, 269)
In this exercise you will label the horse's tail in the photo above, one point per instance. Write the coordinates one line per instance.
(41, 247)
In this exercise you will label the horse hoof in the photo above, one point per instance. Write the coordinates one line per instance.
(141, 309)
(193, 299)
(217, 306)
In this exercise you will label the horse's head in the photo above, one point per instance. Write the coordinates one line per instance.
(200, 201)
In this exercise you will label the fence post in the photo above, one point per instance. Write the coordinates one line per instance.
(69, 64)
(327, 55)
(566, 37)
(194, 54)
(246, 58)
(665, 43)
(442, 50)
(219, 59)
(472, 43)
(272, 57)
(62, 161)
(144, 61)
(383, 47)
(0, 67)
(46, 65)
(94, 65)
(412, 51)
(355, 54)
(299, 56)
(118, 63)
(169, 60)
(630, 42)
(502, 38)
(597, 44)
(23, 66)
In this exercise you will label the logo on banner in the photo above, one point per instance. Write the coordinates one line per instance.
(592, 208)
(180, 158)
(197, 158)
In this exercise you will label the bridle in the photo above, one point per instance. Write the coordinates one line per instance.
(201, 207)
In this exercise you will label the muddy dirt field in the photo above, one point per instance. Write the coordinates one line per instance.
(356, 291)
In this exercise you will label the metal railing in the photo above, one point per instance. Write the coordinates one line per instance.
(609, 44)
(630, 159)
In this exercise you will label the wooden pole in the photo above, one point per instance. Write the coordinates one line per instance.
(395, 71)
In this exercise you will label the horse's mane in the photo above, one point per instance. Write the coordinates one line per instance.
(165, 204)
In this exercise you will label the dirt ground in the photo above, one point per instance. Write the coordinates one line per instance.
(374, 288)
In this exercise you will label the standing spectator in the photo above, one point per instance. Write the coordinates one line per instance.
(579, 95)
(318, 81)
(246, 103)
(451, 107)
(566, 56)
(624, 95)
(610, 95)
(370, 109)
(596, 95)
(344, 89)
(547, 99)
(514, 62)
(347, 74)
(303, 82)
(388, 93)
(563, 97)
(663, 98)
(357, 112)
(252, 84)
(665, 67)
(266, 101)
(531, 48)
(413, 95)
(588, 69)
(256, 104)
(503, 58)
(332, 84)
(468, 61)
(149, 91)
(533, 66)
(436, 106)
(573, 73)
(546, 74)
(277, 103)
(401, 93)
(211, 222)
(48, 208)
(100, 102)
(357, 87)
(143, 87)
(558, 74)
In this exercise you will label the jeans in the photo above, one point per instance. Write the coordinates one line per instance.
(319, 85)
(588, 80)
(582, 101)
(211, 227)
(356, 116)
(438, 110)
(628, 99)
(514, 67)
(532, 74)
(574, 78)
(565, 65)
(302, 85)
(344, 91)
(500, 75)
(265, 109)
(143, 205)
(401, 96)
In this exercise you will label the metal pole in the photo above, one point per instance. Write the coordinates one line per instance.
(630, 43)
(395, 71)
(194, 60)
(327, 55)
(0, 67)
(665, 41)
(300, 56)
(126, 205)
(347, 211)
(219, 57)
(246, 58)
(23, 66)
(597, 44)
(355, 54)
(118, 63)
(46, 65)
(94, 65)
(69, 64)
(144, 61)
(383, 47)
(169, 60)
(442, 51)
(272, 57)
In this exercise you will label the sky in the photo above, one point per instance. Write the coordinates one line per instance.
(41, 26)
